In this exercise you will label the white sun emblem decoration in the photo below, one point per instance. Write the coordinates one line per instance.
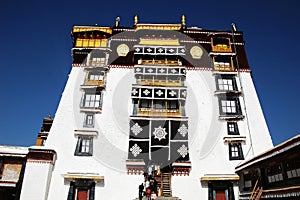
(135, 150)
(136, 129)
(160, 133)
(183, 151)
(183, 130)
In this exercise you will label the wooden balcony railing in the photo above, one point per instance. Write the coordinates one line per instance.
(94, 82)
(155, 82)
(93, 63)
(226, 67)
(160, 62)
(158, 112)
(91, 43)
(221, 48)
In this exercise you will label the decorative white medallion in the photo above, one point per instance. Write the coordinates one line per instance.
(138, 69)
(160, 133)
(136, 129)
(182, 50)
(196, 52)
(183, 130)
(172, 93)
(146, 92)
(160, 50)
(183, 151)
(171, 50)
(122, 50)
(134, 91)
(137, 49)
(135, 150)
(159, 93)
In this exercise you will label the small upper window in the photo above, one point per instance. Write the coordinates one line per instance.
(92, 99)
(226, 83)
(84, 146)
(230, 106)
(232, 128)
(89, 120)
(235, 151)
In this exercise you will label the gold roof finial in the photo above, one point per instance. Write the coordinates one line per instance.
(117, 21)
(233, 27)
(183, 23)
(136, 20)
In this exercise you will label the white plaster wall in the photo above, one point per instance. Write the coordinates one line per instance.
(259, 132)
(208, 153)
(36, 181)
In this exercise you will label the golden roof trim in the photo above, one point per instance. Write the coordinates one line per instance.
(77, 29)
(158, 26)
(160, 42)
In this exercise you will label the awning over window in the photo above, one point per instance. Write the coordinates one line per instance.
(220, 177)
(74, 176)
(85, 133)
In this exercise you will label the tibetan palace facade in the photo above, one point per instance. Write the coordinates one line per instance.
(172, 102)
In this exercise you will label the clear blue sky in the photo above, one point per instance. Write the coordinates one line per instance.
(36, 57)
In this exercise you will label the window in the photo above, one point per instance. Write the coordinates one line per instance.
(274, 174)
(159, 104)
(232, 128)
(95, 76)
(221, 41)
(92, 99)
(174, 104)
(247, 180)
(293, 169)
(235, 151)
(82, 190)
(145, 103)
(230, 106)
(226, 83)
(89, 120)
(223, 63)
(84, 146)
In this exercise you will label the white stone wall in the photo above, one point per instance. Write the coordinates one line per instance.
(36, 181)
(208, 153)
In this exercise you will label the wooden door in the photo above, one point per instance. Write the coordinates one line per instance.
(82, 194)
(220, 195)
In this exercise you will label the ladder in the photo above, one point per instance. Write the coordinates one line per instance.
(166, 184)
(256, 192)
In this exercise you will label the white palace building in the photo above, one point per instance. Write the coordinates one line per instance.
(174, 102)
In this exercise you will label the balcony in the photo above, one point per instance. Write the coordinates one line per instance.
(160, 62)
(97, 63)
(222, 48)
(91, 43)
(94, 82)
(159, 112)
(155, 82)
(223, 66)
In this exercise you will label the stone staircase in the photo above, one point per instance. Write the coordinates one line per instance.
(162, 198)
(166, 188)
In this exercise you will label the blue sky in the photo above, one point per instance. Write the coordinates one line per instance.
(36, 57)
